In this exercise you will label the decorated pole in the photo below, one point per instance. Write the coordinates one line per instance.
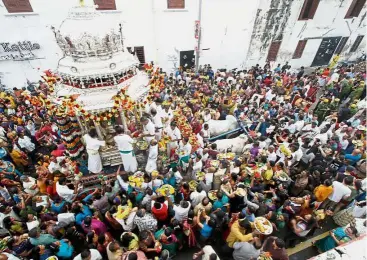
(123, 120)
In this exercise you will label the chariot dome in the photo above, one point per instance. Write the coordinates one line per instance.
(95, 63)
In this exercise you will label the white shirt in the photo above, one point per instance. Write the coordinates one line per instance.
(64, 192)
(208, 250)
(157, 120)
(297, 155)
(197, 167)
(27, 186)
(207, 117)
(95, 255)
(299, 125)
(93, 144)
(10, 256)
(339, 191)
(178, 176)
(66, 218)
(26, 143)
(149, 129)
(124, 142)
(322, 137)
(197, 197)
(127, 224)
(124, 185)
(173, 134)
(181, 213)
(186, 149)
(272, 157)
(344, 143)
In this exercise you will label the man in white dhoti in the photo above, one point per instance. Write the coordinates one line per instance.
(166, 115)
(125, 145)
(175, 135)
(148, 129)
(157, 121)
(93, 144)
(185, 149)
(152, 157)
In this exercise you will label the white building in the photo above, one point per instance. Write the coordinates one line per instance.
(234, 33)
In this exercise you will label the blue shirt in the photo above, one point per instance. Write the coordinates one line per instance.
(57, 208)
(206, 231)
(82, 215)
(220, 204)
(65, 250)
(353, 158)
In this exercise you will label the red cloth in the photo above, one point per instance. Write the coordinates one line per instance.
(268, 81)
(57, 153)
(162, 213)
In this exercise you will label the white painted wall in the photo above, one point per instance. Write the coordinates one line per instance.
(227, 30)
(328, 22)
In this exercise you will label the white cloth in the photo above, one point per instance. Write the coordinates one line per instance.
(181, 213)
(152, 159)
(125, 143)
(197, 197)
(322, 137)
(272, 157)
(128, 224)
(339, 192)
(94, 159)
(64, 192)
(208, 250)
(95, 255)
(173, 134)
(149, 129)
(299, 125)
(26, 143)
(33, 224)
(10, 256)
(124, 185)
(66, 218)
(27, 186)
(297, 155)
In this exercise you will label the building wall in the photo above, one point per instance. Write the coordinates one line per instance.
(278, 20)
(235, 33)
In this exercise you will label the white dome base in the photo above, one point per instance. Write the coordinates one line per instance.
(100, 99)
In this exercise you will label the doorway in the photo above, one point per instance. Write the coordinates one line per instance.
(187, 59)
(325, 51)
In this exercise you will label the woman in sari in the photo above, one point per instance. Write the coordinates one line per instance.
(168, 240)
(336, 238)
(19, 158)
(8, 169)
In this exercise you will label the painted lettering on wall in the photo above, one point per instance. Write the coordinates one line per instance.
(24, 50)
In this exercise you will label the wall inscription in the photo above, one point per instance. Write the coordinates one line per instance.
(19, 51)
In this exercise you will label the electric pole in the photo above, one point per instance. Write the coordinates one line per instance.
(197, 56)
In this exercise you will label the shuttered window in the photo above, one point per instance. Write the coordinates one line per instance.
(308, 9)
(355, 8)
(299, 49)
(18, 6)
(175, 4)
(139, 52)
(356, 43)
(105, 4)
(273, 51)
(341, 45)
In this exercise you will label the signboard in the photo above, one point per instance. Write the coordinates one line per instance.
(197, 29)
(19, 51)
